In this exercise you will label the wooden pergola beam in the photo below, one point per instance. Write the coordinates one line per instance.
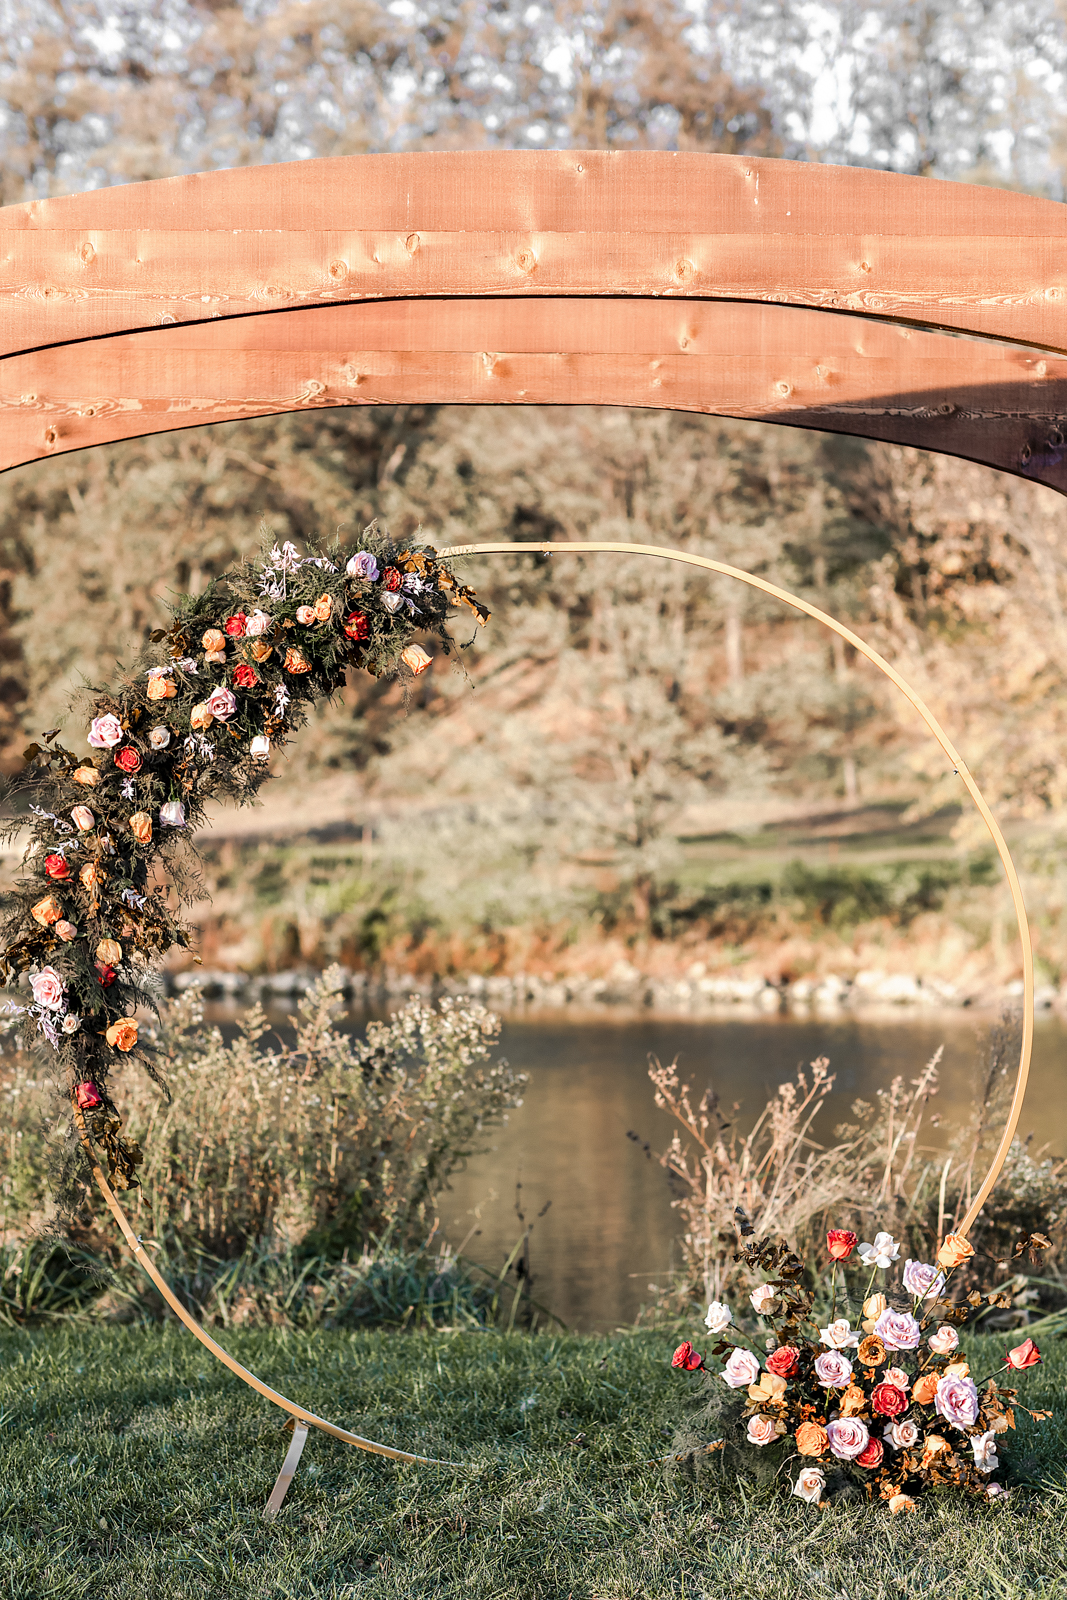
(811, 369)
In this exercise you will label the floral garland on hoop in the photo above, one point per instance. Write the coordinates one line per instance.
(886, 1410)
(106, 868)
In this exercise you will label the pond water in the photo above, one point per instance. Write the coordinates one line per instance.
(609, 1229)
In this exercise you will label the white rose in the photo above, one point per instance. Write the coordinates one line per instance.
(741, 1370)
(259, 749)
(159, 738)
(901, 1435)
(392, 602)
(811, 1481)
(719, 1317)
(763, 1300)
(71, 1023)
(257, 624)
(838, 1335)
(984, 1446)
(882, 1253)
(172, 815)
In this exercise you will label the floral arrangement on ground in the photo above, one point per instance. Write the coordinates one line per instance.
(887, 1410)
(108, 865)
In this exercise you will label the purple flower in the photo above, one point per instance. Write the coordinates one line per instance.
(363, 565)
(923, 1281)
(898, 1330)
(848, 1437)
(957, 1401)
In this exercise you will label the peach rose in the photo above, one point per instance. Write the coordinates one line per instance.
(214, 640)
(46, 911)
(305, 615)
(261, 650)
(416, 659)
(770, 1387)
(924, 1388)
(89, 876)
(109, 951)
(323, 608)
(200, 717)
(811, 1439)
(295, 662)
(873, 1307)
(88, 776)
(944, 1341)
(66, 931)
(141, 826)
(763, 1430)
(900, 1502)
(157, 689)
(853, 1402)
(122, 1035)
(954, 1252)
(83, 819)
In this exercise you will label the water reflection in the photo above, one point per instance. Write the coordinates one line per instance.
(609, 1229)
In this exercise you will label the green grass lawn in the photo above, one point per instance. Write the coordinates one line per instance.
(135, 1468)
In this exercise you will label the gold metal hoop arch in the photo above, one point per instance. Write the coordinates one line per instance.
(304, 1418)
(958, 763)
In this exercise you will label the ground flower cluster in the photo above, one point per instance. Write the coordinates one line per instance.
(888, 1408)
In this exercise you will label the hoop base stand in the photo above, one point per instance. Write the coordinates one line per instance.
(302, 1418)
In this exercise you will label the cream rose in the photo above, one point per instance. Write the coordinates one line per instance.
(159, 737)
(259, 749)
(901, 1435)
(83, 819)
(984, 1446)
(838, 1335)
(811, 1481)
(172, 815)
(257, 624)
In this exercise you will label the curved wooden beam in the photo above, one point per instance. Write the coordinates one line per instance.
(533, 223)
(995, 404)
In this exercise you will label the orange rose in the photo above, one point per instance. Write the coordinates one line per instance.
(872, 1351)
(214, 640)
(323, 608)
(200, 717)
(853, 1401)
(954, 1252)
(89, 877)
(88, 776)
(141, 826)
(924, 1388)
(47, 911)
(109, 951)
(261, 650)
(416, 658)
(811, 1439)
(122, 1035)
(294, 661)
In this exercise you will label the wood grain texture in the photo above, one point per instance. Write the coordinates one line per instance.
(533, 223)
(995, 404)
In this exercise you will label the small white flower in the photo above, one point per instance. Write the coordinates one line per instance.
(719, 1317)
(882, 1253)
(71, 1023)
(984, 1446)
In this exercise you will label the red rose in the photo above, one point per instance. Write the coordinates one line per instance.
(128, 759)
(105, 973)
(356, 625)
(87, 1096)
(236, 625)
(1024, 1355)
(887, 1400)
(841, 1243)
(391, 579)
(784, 1361)
(687, 1358)
(245, 677)
(56, 867)
(872, 1455)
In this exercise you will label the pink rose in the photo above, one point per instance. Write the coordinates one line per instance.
(66, 931)
(257, 624)
(898, 1377)
(898, 1330)
(1024, 1355)
(924, 1282)
(848, 1437)
(741, 1369)
(49, 990)
(944, 1341)
(901, 1435)
(833, 1370)
(105, 732)
(87, 1096)
(956, 1399)
(222, 704)
(761, 1430)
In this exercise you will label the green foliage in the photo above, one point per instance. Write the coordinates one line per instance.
(135, 1465)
